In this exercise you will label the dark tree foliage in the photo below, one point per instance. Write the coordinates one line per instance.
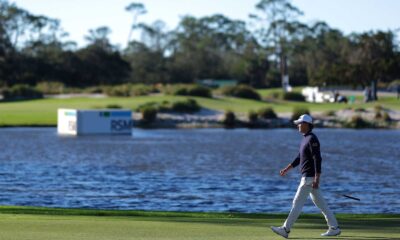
(33, 49)
(100, 67)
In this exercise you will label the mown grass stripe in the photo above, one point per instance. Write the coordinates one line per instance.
(96, 212)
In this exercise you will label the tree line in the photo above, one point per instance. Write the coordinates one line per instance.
(35, 48)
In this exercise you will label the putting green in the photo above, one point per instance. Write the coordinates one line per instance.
(19, 223)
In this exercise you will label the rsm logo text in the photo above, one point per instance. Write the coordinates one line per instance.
(121, 125)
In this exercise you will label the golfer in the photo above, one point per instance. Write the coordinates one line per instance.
(309, 159)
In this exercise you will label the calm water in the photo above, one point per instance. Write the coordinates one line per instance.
(195, 170)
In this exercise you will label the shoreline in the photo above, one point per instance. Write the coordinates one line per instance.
(167, 214)
(342, 119)
(280, 123)
(182, 126)
(365, 119)
(262, 124)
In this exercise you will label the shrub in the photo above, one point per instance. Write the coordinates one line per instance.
(357, 122)
(21, 91)
(93, 90)
(267, 113)
(149, 114)
(378, 108)
(114, 106)
(73, 90)
(200, 91)
(360, 109)
(378, 115)
(165, 106)
(227, 90)
(167, 89)
(141, 90)
(180, 91)
(50, 87)
(293, 96)
(298, 111)
(229, 119)
(188, 106)
(253, 116)
(146, 105)
(288, 96)
(241, 91)
(129, 90)
(192, 90)
(386, 117)
(119, 91)
(381, 114)
(330, 113)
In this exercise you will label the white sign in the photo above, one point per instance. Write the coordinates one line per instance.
(66, 121)
(81, 122)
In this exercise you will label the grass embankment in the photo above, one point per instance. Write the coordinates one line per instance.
(41, 223)
(44, 111)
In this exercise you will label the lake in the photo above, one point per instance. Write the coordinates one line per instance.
(214, 170)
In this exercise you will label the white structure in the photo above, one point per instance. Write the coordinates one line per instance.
(81, 122)
(285, 84)
(312, 94)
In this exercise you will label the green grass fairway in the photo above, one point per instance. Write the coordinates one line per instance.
(44, 111)
(48, 224)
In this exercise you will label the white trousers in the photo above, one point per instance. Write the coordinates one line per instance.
(305, 188)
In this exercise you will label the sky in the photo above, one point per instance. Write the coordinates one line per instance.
(78, 16)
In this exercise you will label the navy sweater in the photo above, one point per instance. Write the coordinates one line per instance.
(309, 156)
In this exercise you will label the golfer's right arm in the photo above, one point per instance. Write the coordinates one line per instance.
(294, 164)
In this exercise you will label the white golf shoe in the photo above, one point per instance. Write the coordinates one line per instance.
(281, 231)
(332, 232)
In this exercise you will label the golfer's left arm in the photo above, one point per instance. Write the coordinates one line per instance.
(316, 155)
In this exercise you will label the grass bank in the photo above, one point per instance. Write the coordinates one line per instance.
(43, 223)
(44, 111)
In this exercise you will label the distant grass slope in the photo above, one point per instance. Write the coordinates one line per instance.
(20, 223)
(44, 111)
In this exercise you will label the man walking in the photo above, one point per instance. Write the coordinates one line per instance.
(309, 159)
